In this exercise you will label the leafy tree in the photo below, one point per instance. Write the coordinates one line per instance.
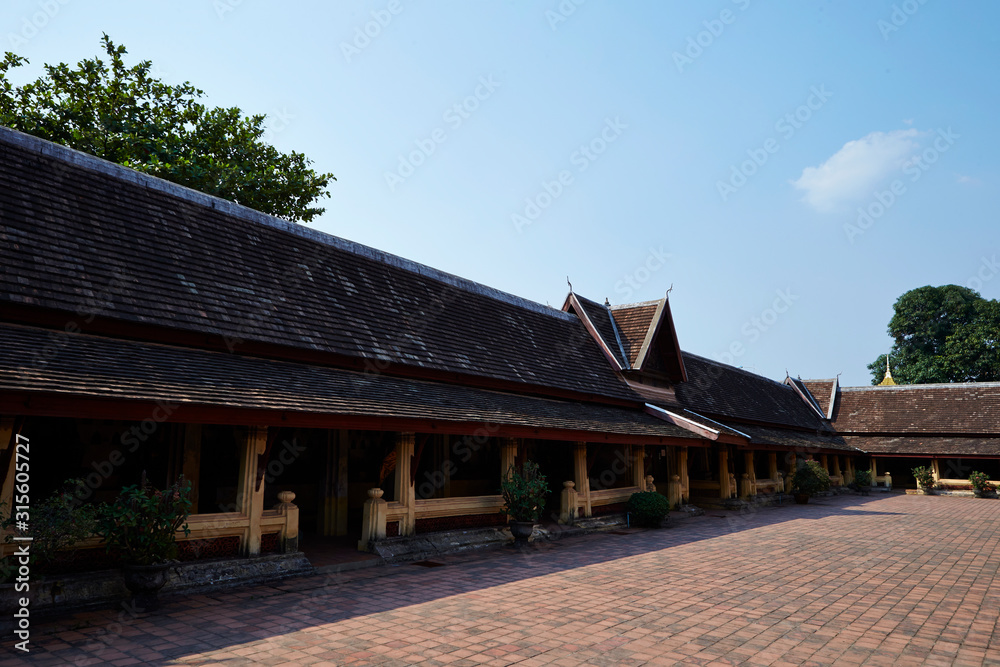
(942, 334)
(127, 116)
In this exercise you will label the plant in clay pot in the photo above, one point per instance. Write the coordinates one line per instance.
(524, 493)
(141, 526)
(810, 478)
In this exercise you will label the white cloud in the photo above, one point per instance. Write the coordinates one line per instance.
(967, 180)
(852, 172)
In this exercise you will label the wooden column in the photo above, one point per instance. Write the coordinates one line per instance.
(508, 455)
(725, 491)
(682, 470)
(580, 475)
(333, 517)
(8, 447)
(825, 462)
(639, 467)
(250, 495)
(751, 473)
(192, 460)
(936, 470)
(772, 466)
(405, 491)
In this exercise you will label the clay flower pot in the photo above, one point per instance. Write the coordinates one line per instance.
(145, 581)
(801, 498)
(521, 530)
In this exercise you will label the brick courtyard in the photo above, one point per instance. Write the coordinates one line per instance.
(898, 580)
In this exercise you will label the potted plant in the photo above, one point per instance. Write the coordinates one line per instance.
(141, 526)
(524, 494)
(810, 478)
(925, 479)
(980, 482)
(648, 508)
(863, 481)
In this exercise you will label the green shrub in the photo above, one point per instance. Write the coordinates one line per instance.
(524, 492)
(863, 478)
(57, 524)
(810, 477)
(980, 482)
(648, 508)
(143, 521)
(924, 477)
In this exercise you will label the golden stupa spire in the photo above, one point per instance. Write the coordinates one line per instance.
(887, 381)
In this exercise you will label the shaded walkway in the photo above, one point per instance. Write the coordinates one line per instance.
(903, 580)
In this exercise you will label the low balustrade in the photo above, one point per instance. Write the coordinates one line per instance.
(283, 520)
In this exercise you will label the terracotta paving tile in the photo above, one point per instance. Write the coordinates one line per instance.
(885, 580)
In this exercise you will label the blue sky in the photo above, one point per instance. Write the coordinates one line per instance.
(790, 168)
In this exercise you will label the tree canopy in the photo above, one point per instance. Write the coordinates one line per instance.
(942, 334)
(125, 115)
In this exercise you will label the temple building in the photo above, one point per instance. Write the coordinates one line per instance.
(312, 388)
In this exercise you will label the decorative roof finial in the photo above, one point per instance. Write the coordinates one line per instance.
(887, 381)
(570, 284)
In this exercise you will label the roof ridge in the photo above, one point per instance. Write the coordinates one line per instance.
(736, 368)
(93, 163)
(636, 304)
(936, 385)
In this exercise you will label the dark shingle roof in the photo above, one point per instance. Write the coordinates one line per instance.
(97, 367)
(794, 439)
(600, 317)
(925, 445)
(823, 391)
(76, 231)
(723, 392)
(634, 321)
(943, 409)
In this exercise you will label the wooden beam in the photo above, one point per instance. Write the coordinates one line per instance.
(49, 405)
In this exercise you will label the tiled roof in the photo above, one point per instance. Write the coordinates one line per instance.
(926, 446)
(731, 394)
(600, 317)
(824, 393)
(78, 234)
(97, 367)
(942, 409)
(802, 440)
(634, 321)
